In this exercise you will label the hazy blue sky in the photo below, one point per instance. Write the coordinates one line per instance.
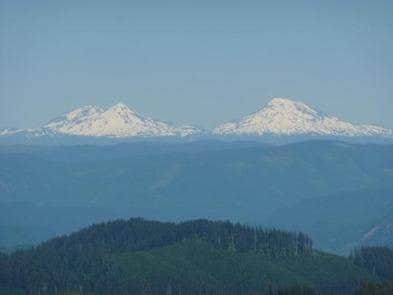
(200, 62)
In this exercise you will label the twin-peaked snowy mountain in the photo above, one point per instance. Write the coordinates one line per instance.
(280, 117)
(116, 121)
(286, 117)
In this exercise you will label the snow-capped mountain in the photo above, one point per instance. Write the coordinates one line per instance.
(289, 120)
(282, 116)
(116, 121)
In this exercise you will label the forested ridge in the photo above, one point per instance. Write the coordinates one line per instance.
(47, 191)
(194, 257)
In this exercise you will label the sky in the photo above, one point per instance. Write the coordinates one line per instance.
(198, 62)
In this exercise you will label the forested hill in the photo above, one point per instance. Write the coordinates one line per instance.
(139, 234)
(194, 257)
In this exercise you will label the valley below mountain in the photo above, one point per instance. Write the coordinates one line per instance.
(337, 192)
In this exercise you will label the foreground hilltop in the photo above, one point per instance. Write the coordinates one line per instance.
(194, 257)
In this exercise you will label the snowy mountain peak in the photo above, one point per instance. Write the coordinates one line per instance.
(279, 101)
(121, 108)
(285, 104)
(287, 107)
(120, 105)
(282, 116)
(116, 121)
(82, 112)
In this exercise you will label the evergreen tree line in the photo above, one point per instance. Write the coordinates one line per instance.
(378, 260)
(80, 262)
(139, 234)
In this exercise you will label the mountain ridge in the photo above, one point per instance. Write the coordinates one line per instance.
(280, 117)
(116, 121)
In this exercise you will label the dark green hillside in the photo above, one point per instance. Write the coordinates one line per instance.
(189, 263)
(147, 257)
(385, 288)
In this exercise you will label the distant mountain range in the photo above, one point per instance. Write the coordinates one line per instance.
(116, 121)
(280, 117)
